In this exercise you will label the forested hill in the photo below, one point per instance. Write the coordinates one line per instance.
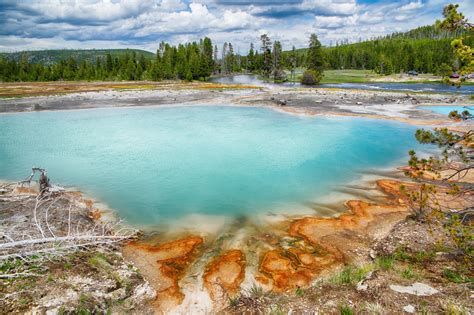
(191, 61)
(427, 32)
(423, 49)
(49, 57)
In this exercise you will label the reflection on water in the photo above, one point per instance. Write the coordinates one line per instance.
(406, 87)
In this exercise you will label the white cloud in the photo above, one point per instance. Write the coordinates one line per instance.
(335, 21)
(412, 6)
(401, 17)
(102, 10)
(132, 23)
(172, 5)
(331, 7)
(236, 19)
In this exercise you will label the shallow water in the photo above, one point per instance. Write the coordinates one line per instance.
(445, 110)
(405, 87)
(160, 163)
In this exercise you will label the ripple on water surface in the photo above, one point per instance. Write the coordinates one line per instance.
(155, 164)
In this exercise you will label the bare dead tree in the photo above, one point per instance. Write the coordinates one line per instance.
(43, 179)
(57, 223)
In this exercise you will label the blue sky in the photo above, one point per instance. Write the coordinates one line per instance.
(54, 24)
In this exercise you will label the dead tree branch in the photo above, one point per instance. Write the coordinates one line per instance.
(52, 223)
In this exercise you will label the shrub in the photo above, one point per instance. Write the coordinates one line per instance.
(464, 115)
(444, 70)
(311, 77)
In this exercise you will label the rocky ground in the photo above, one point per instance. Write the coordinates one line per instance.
(55, 88)
(62, 276)
(409, 271)
(406, 107)
(84, 282)
(312, 101)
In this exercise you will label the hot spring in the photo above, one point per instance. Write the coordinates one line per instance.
(164, 163)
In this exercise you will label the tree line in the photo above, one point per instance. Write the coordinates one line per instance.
(425, 49)
(394, 55)
(189, 61)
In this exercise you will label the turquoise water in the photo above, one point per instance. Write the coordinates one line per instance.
(381, 86)
(155, 164)
(445, 110)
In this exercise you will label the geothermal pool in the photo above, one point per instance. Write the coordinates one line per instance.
(160, 163)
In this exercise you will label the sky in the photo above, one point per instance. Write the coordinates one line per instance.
(142, 24)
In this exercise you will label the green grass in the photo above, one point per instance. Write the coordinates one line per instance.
(455, 276)
(9, 265)
(408, 273)
(348, 76)
(256, 291)
(418, 257)
(99, 261)
(338, 76)
(351, 275)
(359, 76)
(299, 292)
(234, 302)
(345, 310)
(385, 262)
(50, 278)
(401, 254)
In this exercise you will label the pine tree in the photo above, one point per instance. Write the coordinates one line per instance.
(230, 59)
(216, 60)
(292, 60)
(251, 59)
(109, 63)
(315, 62)
(277, 61)
(224, 57)
(207, 62)
(315, 54)
(267, 55)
